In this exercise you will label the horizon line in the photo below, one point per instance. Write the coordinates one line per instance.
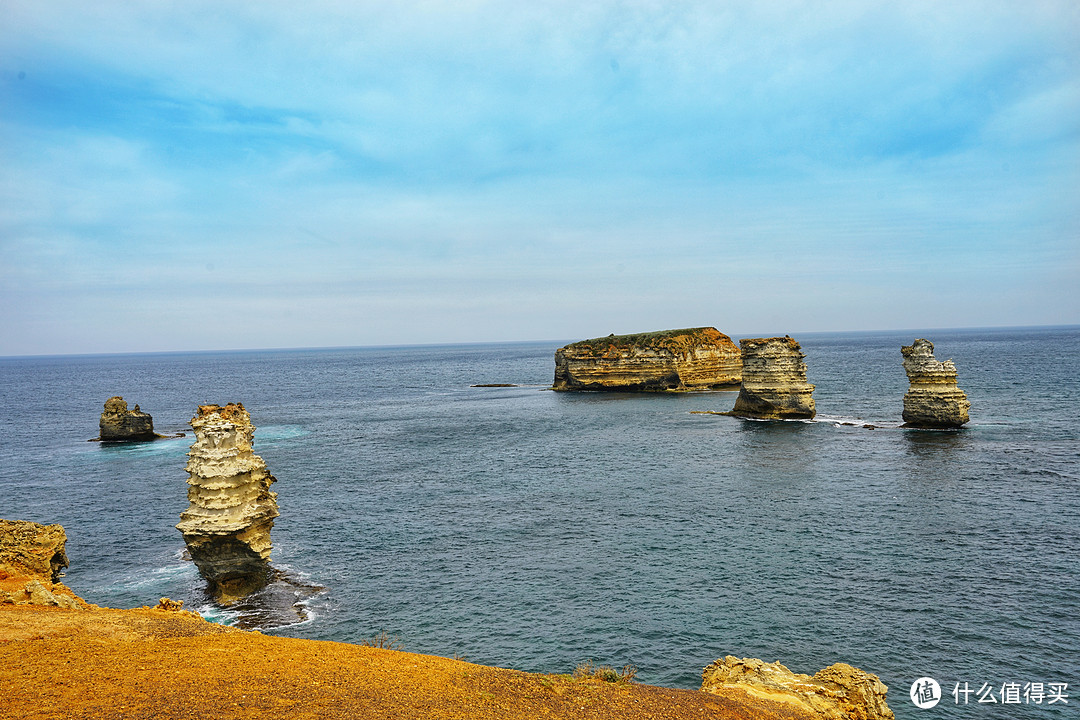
(556, 343)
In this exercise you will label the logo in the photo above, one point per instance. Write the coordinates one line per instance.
(925, 692)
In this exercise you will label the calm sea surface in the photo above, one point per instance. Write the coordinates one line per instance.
(529, 529)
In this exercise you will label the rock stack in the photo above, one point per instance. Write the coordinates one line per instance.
(119, 423)
(227, 526)
(774, 383)
(839, 692)
(691, 359)
(933, 400)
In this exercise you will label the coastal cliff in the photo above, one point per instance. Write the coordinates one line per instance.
(933, 400)
(32, 558)
(227, 525)
(82, 661)
(774, 383)
(690, 359)
(119, 423)
(839, 692)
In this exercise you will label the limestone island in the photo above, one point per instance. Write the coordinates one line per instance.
(774, 383)
(933, 400)
(227, 524)
(670, 360)
(118, 424)
(62, 658)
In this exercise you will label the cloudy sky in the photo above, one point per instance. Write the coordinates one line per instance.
(204, 175)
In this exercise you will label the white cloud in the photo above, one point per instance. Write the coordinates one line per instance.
(448, 169)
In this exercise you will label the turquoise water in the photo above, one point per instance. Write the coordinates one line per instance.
(529, 529)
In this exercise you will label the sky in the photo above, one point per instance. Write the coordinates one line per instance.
(227, 175)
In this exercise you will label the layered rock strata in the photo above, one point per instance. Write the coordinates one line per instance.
(227, 525)
(933, 400)
(839, 692)
(774, 383)
(119, 423)
(32, 558)
(691, 359)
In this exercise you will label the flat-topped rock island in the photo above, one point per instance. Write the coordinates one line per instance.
(669, 360)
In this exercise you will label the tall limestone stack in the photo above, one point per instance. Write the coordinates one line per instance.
(227, 526)
(839, 692)
(119, 423)
(691, 359)
(933, 400)
(774, 383)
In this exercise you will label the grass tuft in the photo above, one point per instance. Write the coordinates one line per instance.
(587, 670)
(385, 641)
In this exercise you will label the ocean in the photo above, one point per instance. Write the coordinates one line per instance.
(524, 528)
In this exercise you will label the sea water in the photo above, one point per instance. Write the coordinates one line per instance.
(524, 528)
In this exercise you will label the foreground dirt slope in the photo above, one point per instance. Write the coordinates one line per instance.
(150, 663)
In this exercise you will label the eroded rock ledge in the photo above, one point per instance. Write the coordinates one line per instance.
(690, 359)
(227, 525)
(839, 692)
(32, 558)
(933, 400)
(774, 383)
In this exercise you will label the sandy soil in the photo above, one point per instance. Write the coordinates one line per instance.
(151, 663)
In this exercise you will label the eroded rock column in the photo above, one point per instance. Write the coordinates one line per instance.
(933, 400)
(774, 383)
(227, 525)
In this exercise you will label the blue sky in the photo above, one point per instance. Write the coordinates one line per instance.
(209, 175)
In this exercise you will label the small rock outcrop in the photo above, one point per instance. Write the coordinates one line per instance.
(227, 525)
(691, 359)
(774, 383)
(32, 558)
(932, 400)
(839, 692)
(119, 423)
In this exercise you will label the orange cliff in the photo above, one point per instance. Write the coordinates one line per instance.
(89, 662)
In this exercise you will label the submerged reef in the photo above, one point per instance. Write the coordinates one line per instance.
(691, 359)
(227, 525)
(774, 383)
(933, 400)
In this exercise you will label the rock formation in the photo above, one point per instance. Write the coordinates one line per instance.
(932, 400)
(227, 526)
(839, 692)
(692, 359)
(774, 383)
(119, 423)
(31, 560)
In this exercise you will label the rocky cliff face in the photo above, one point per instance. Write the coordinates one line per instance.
(692, 359)
(227, 525)
(839, 692)
(774, 383)
(119, 423)
(932, 400)
(31, 559)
